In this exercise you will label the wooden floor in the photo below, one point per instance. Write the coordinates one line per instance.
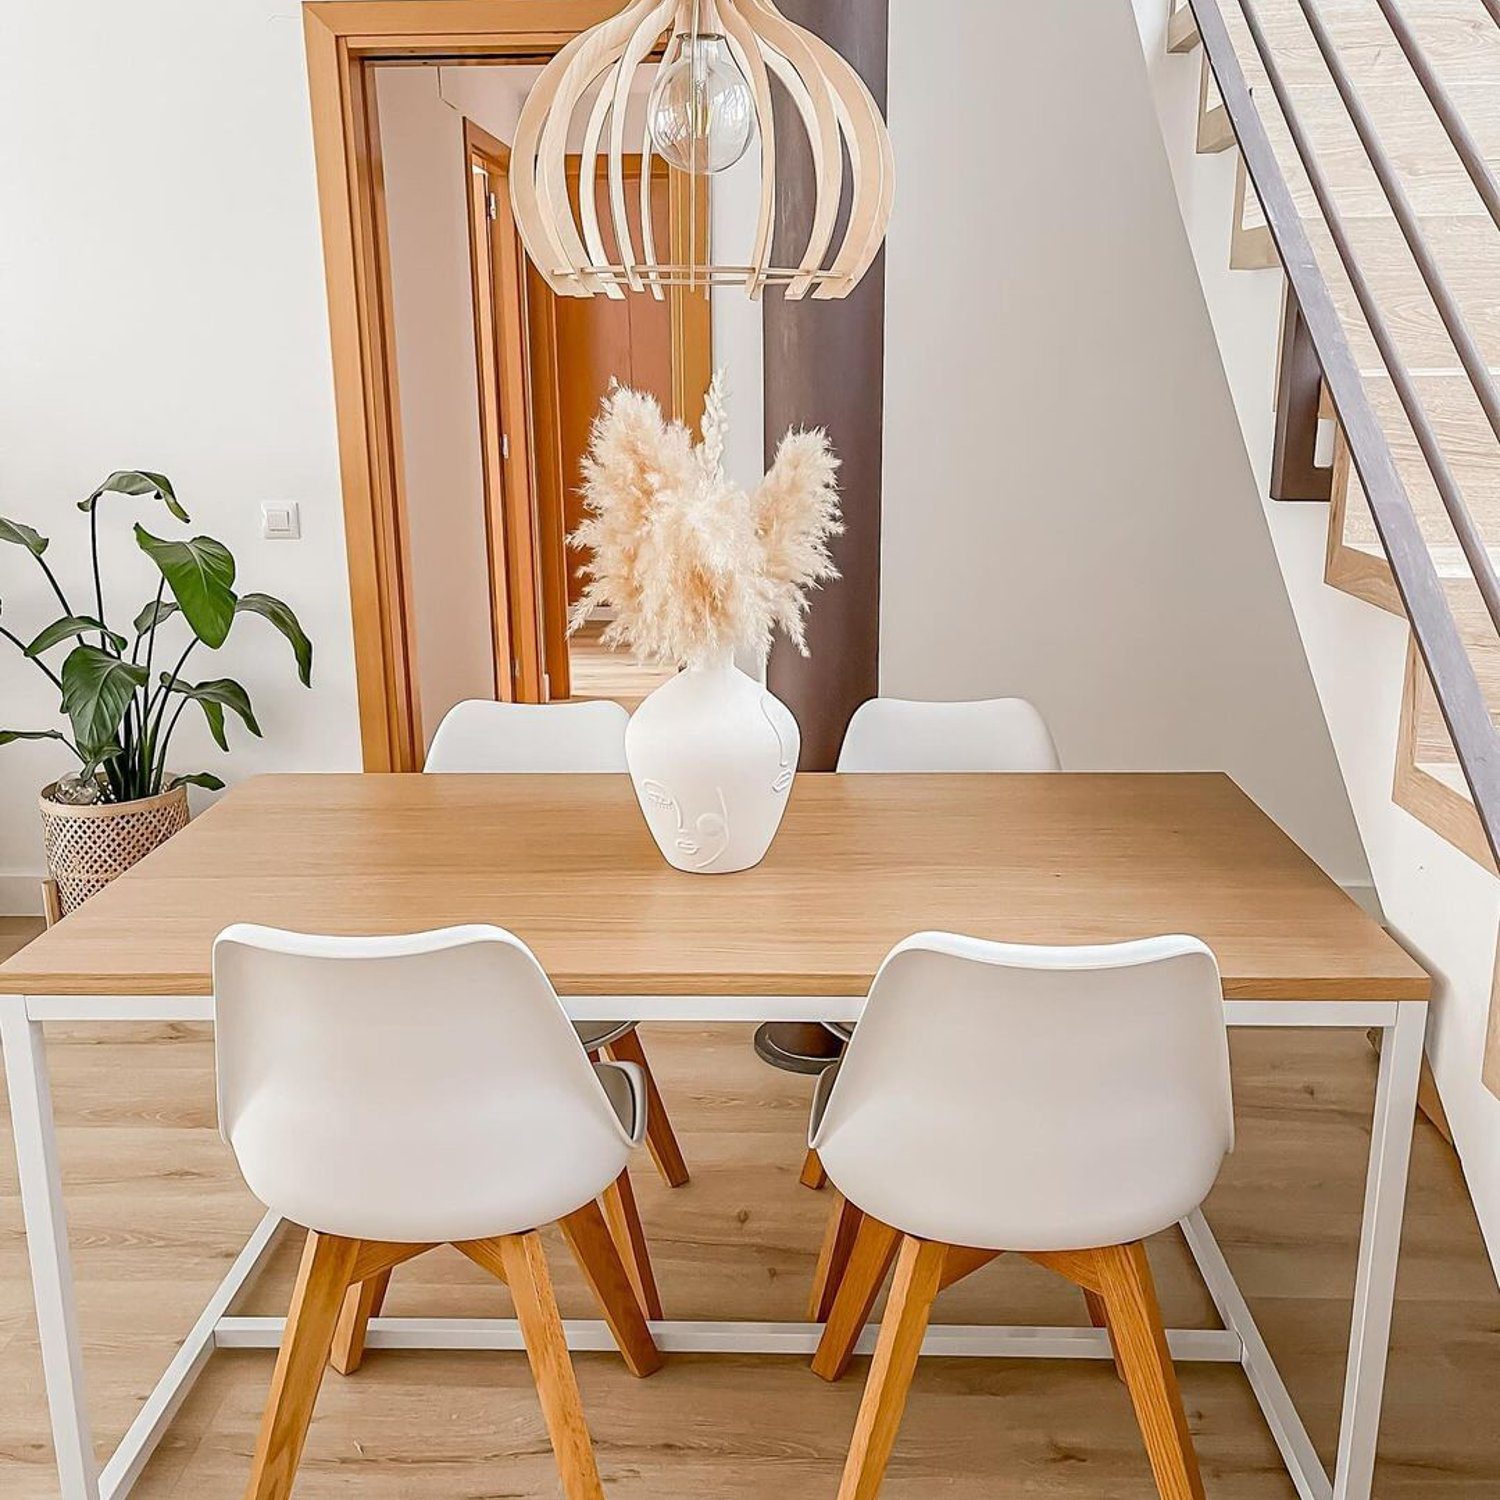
(598, 672)
(158, 1212)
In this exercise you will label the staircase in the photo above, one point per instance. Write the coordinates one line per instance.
(1460, 39)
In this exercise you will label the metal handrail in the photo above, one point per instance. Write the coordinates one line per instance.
(1459, 696)
(1411, 403)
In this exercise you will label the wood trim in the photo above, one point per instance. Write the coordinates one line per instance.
(1295, 473)
(1429, 799)
(342, 39)
(692, 312)
(1252, 247)
(501, 343)
(1215, 130)
(1182, 29)
(1362, 575)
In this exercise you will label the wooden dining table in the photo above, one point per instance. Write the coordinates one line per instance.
(860, 862)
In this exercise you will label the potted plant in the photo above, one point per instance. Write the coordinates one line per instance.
(123, 692)
(695, 569)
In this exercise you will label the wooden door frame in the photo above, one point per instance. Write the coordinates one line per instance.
(345, 38)
(500, 352)
(691, 353)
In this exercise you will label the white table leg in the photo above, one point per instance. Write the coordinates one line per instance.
(47, 1243)
(1379, 1247)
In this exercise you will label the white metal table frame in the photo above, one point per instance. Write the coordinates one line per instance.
(1403, 1024)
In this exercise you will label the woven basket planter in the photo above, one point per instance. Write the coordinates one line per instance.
(88, 846)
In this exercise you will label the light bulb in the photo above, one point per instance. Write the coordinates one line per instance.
(701, 110)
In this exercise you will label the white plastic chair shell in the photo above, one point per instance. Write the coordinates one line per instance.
(480, 736)
(989, 734)
(1032, 1098)
(422, 1088)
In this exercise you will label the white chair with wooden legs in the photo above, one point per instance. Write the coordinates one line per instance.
(1062, 1103)
(480, 736)
(907, 736)
(393, 1094)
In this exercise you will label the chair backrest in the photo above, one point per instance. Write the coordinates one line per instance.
(990, 734)
(482, 736)
(1033, 1098)
(416, 1088)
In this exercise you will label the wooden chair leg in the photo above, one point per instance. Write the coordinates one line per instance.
(525, 1267)
(599, 1258)
(813, 1176)
(833, 1257)
(624, 1219)
(1130, 1300)
(1099, 1317)
(661, 1141)
(361, 1303)
(919, 1269)
(875, 1247)
(326, 1274)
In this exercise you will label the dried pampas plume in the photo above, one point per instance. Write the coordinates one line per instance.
(691, 564)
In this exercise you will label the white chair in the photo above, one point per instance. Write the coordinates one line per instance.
(392, 1094)
(989, 734)
(1065, 1103)
(478, 737)
(904, 735)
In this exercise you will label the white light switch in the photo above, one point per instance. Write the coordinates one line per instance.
(280, 522)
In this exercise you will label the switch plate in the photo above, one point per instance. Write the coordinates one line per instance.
(280, 521)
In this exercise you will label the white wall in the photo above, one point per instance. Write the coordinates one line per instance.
(1070, 514)
(427, 216)
(162, 305)
(1437, 900)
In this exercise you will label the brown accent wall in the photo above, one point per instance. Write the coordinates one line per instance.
(825, 367)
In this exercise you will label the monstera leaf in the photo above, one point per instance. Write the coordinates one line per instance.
(200, 574)
(281, 616)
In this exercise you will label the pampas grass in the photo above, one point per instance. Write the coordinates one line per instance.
(693, 566)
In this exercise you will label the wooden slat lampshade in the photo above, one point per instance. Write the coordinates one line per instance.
(827, 100)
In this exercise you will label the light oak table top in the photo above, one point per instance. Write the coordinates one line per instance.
(566, 862)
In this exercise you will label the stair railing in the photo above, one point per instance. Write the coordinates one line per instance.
(1455, 683)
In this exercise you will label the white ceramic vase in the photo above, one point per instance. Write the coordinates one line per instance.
(712, 755)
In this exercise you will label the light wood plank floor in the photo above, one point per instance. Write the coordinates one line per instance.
(598, 672)
(158, 1212)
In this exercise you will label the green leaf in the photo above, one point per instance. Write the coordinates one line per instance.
(153, 614)
(214, 697)
(10, 736)
(200, 574)
(96, 687)
(67, 627)
(281, 616)
(198, 778)
(137, 482)
(23, 536)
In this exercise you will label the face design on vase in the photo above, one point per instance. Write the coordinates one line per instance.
(701, 839)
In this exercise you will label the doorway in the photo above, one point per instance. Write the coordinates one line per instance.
(545, 363)
(409, 656)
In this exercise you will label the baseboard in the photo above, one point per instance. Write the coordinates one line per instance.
(20, 894)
